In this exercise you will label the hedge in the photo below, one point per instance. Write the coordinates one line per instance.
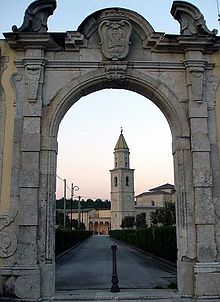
(159, 241)
(65, 239)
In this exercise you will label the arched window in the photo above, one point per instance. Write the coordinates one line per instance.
(127, 181)
(152, 203)
(115, 181)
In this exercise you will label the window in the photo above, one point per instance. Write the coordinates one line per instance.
(126, 164)
(115, 181)
(127, 181)
(152, 203)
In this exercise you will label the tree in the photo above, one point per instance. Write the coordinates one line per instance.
(76, 226)
(164, 216)
(141, 221)
(128, 222)
(60, 220)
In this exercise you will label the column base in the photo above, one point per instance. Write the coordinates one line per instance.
(185, 278)
(207, 280)
(22, 282)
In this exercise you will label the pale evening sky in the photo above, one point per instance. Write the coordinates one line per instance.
(90, 129)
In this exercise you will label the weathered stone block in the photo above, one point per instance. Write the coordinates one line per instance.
(30, 160)
(31, 125)
(207, 284)
(18, 130)
(29, 178)
(16, 160)
(199, 125)
(28, 215)
(15, 181)
(200, 142)
(28, 196)
(199, 136)
(202, 174)
(48, 162)
(181, 143)
(204, 209)
(185, 277)
(27, 248)
(205, 234)
(197, 110)
(206, 252)
(32, 108)
(30, 142)
(49, 143)
(48, 279)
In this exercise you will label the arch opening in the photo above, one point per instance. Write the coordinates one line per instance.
(99, 227)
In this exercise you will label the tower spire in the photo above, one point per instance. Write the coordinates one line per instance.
(121, 143)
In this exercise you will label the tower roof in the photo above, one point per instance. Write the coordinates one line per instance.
(121, 143)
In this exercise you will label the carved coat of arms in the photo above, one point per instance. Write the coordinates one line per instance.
(115, 31)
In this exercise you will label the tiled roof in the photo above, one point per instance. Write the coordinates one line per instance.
(158, 190)
(153, 193)
(166, 186)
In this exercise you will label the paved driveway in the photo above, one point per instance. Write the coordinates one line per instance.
(89, 266)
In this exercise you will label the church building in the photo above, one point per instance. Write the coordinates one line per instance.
(122, 184)
(123, 199)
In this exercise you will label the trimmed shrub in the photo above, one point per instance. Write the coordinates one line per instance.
(157, 240)
(65, 239)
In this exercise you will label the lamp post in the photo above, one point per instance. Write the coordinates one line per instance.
(115, 288)
(64, 203)
(73, 188)
(79, 212)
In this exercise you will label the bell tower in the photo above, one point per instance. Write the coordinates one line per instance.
(122, 184)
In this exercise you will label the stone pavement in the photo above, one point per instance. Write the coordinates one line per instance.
(89, 267)
(84, 274)
(149, 295)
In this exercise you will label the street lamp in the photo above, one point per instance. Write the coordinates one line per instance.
(73, 188)
(64, 203)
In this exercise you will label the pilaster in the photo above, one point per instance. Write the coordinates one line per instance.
(29, 176)
(206, 249)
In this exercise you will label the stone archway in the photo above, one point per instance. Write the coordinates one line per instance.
(174, 72)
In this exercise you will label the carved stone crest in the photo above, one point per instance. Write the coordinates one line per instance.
(115, 31)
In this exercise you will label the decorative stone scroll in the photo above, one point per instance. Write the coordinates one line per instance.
(191, 20)
(36, 15)
(32, 79)
(115, 31)
(8, 238)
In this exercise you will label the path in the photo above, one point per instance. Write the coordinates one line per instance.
(88, 266)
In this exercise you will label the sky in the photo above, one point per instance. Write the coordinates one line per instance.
(89, 131)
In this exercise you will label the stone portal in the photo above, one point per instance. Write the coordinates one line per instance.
(43, 74)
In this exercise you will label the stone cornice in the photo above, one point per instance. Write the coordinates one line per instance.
(135, 65)
(74, 41)
(27, 40)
